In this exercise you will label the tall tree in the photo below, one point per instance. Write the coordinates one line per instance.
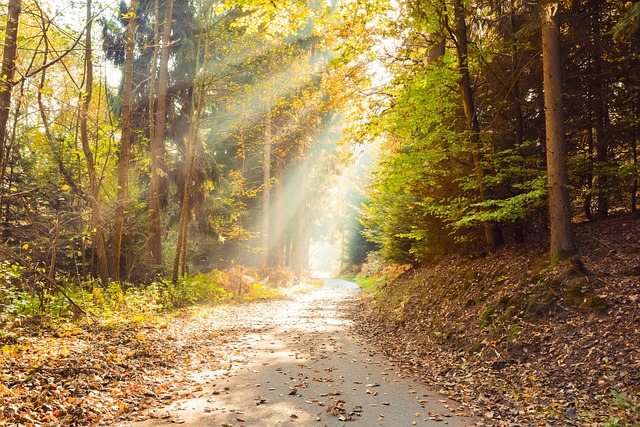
(600, 115)
(562, 239)
(195, 105)
(300, 236)
(122, 193)
(7, 74)
(493, 233)
(279, 212)
(265, 231)
(97, 231)
(158, 121)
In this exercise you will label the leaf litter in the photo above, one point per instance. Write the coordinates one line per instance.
(99, 376)
(518, 344)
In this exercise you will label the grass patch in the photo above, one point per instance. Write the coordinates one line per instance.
(368, 284)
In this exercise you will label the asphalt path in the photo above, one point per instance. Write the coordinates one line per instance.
(307, 367)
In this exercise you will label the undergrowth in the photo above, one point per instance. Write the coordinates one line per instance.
(28, 305)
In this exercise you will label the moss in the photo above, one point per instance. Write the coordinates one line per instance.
(594, 303)
(560, 256)
(585, 301)
(509, 312)
(540, 268)
(487, 317)
(513, 333)
(573, 292)
(541, 302)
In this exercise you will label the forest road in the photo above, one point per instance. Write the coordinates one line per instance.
(307, 367)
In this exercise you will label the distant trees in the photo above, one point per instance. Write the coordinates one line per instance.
(146, 157)
(215, 116)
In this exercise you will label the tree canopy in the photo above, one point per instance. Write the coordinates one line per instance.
(158, 139)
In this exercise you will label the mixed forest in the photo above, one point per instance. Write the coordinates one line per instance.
(148, 141)
(160, 153)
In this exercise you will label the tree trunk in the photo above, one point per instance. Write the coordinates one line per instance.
(601, 119)
(157, 142)
(180, 260)
(279, 241)
(492, 232)
(562, 239)
(122, 193)
(153, 203)
(97, 232)
(7, 73)
(588, 211)
(266, 191)
(196, 106)
(518, 132)
(301, 221)
(12, 152)
(634, 151)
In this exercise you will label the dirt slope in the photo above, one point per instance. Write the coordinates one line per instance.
(520, 343)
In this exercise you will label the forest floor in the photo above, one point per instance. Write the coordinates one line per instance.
(503, 340)
(517, 342)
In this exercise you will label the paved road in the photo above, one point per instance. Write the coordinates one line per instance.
(306, 368)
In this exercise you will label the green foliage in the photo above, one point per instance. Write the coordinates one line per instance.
(421, 143)
(259, 292)
(113, 304)
(629, 22)
(463, 213)
(425, 191)
(357, 247)
(14, 304)
(201, 288)
(625, 402)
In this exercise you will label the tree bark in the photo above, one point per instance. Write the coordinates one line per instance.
(492, 231)
(7, 74)
(191, 142)
(587, 208)
(122, 193)
(279, 241)
(153, 202)
(297, 263)
(562, 240)
(599, 109)
(518, 131)
(266, 191)
(180, 260)
(158, 172)
(97, 232)
(634, 151)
